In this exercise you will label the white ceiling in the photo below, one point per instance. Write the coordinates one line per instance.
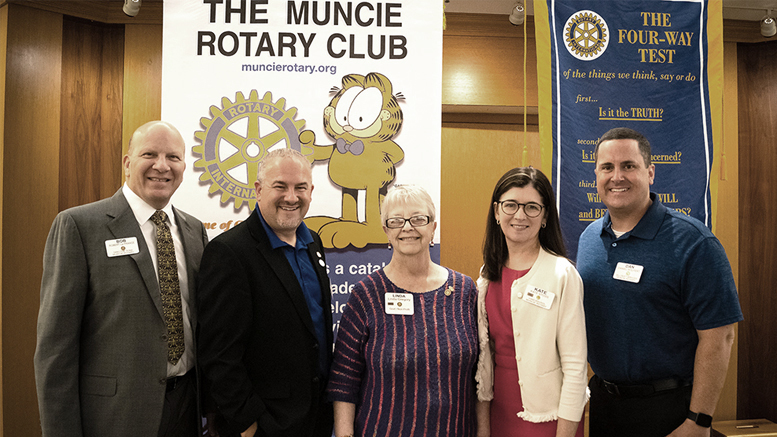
(752, 10)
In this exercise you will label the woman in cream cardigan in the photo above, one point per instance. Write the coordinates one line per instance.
(531, 326)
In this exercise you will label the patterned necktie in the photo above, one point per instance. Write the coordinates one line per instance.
(170, 287)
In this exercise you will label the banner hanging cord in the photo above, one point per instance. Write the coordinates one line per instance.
(525, 156)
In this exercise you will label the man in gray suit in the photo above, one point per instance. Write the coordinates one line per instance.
(116, 353)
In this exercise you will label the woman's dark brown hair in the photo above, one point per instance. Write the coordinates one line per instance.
(495, 251)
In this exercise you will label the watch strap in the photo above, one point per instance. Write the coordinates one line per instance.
(701, 419)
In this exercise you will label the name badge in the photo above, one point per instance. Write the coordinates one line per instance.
(399, 304)
(122, 246)
(628, 272)
(539, 297)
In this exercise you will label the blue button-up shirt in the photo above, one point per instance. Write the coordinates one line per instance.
(303, 268)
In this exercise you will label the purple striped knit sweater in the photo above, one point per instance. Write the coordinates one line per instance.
(408, 375)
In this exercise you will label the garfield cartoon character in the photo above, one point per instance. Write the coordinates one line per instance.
(362, 118)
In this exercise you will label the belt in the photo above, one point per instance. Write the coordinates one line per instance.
(176, 381)
(641, 390)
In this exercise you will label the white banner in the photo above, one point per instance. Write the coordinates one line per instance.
(244, 77)
(355, 85)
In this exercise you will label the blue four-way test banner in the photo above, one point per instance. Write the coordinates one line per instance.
(637, 64)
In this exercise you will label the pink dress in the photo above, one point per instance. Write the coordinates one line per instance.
(507, 395)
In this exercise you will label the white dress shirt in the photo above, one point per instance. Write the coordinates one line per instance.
(143, 212)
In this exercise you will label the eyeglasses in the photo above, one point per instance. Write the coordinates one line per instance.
(415, 221)
(511, 207)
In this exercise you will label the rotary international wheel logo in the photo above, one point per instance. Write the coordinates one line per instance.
(586, 35)
(236, 139)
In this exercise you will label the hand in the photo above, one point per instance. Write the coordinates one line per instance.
(307, 141)
(483, 415)
(690, 429)
(566, 428)
(210, 426)
(250, 431)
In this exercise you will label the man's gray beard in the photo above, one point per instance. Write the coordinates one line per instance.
(289, 224)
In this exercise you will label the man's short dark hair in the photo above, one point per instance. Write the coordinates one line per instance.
(624, 133)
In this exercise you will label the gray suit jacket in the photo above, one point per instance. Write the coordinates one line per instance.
(101, 357)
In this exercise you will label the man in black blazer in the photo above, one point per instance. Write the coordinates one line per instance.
(102, 363)
(265, 325)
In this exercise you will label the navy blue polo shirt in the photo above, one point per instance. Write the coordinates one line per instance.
(646, 331)
(303, 268)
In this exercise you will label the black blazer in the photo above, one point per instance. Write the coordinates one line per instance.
(256, 342)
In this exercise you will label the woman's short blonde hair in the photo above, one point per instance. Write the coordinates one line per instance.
(405, 194)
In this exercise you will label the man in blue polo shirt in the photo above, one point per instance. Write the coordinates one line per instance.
(265, 326)
(660, 304)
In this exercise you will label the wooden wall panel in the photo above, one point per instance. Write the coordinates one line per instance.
(142, 77)
(30, 174)
(103, 11)
(3, 58)
(757, 381)
(727, 229)
(473, 158)
(482, 135)
(483, 62)
(742, 31)
(90, 137)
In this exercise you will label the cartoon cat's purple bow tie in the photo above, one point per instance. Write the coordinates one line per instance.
(357, 147)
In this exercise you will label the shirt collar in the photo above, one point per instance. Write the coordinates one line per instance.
(648, 225)
(142, 210)
(303, 234)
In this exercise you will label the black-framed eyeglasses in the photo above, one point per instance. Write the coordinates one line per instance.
(415, 221)
(531, 209)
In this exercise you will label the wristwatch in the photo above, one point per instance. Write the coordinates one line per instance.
(701, 419)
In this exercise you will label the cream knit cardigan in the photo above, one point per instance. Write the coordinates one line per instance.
(550, 345)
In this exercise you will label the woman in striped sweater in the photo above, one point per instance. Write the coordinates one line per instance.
(407, 345)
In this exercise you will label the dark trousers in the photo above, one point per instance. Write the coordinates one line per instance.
(324, 421)
(323, 427)
(654, 415)
(179, 417)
